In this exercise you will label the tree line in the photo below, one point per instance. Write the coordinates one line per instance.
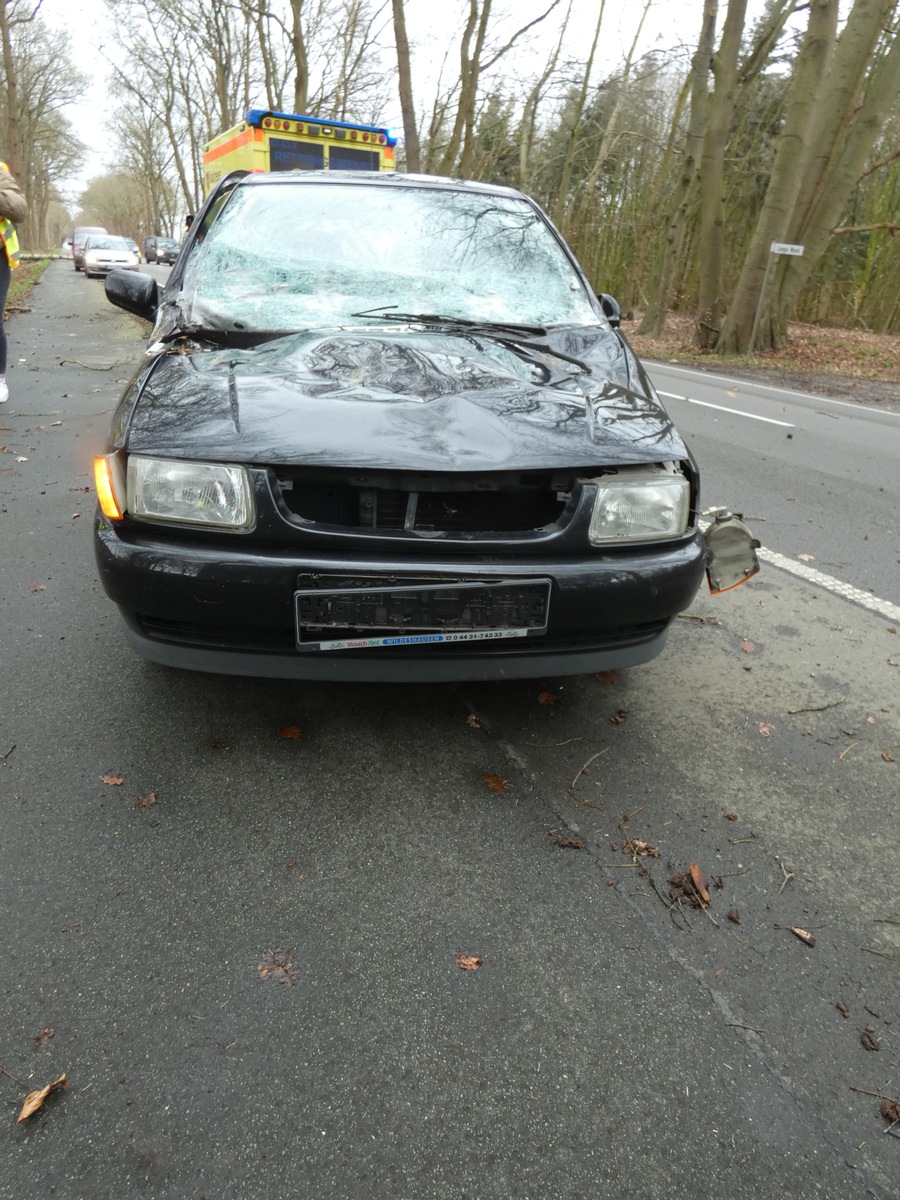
(671, 173)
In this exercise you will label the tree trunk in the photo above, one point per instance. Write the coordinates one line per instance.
(611, 132)
(528, 122)
(301, 63)
(711, 300)
(404, 80)
(655, 316)
(561, 203)
(468, 84)
(837, 123)
(11, 143)
(842, 173)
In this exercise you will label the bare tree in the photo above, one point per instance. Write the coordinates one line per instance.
(711, 301)
(475, 60)
(840, 93)
(404, 84)
(13, 14)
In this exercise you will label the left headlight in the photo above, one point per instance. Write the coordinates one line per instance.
(196, 493)
(640, 505)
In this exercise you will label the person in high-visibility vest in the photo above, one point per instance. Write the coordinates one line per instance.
(13, 208)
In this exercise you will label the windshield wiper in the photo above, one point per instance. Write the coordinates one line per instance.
(508, 333)
(446, 321)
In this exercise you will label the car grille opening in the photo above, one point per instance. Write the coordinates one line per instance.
(506, 503)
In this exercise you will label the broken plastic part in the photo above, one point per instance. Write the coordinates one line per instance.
(730, 552)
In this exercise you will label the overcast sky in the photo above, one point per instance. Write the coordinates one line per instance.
(669, 22)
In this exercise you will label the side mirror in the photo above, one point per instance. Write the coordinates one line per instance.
(611, 309)
(135, 292)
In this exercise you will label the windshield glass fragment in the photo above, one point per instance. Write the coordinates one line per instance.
(303, 257)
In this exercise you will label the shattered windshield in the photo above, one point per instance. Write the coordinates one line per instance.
(283, 257)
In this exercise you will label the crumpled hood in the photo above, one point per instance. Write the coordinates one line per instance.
(400, 399)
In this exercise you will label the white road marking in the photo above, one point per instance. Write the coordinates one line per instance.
(737, 412)
(713, 377)
(721, 408)
(846, 591)
(884, 608)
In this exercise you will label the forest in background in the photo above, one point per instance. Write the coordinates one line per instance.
(670, 174)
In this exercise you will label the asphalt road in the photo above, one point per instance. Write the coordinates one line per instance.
(610, 1045)
(817, 476)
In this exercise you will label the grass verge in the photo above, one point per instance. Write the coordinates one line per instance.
(23, 280)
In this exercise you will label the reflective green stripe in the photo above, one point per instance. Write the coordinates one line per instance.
(10, 241)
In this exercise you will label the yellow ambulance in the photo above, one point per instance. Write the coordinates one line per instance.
(276, 141)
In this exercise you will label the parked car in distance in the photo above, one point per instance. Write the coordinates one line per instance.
(422, 453)
(79, 237)
(166, 250)
(105, 252)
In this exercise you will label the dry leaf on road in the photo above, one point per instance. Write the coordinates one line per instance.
(747, 646)
(701, 883)
(472, 720)
(34, 1100)
(112, 780)
(804, 935)
(494, 783)
(691, 885)
(279, 964)
(38, 587)
(547, 698)
(566, 841)
(468, 962)
(765, 727)
(289, 731)
(639, 846)
(145, 801)
(44, 1037)
(606, 676)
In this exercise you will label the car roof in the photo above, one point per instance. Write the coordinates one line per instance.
(392, 179)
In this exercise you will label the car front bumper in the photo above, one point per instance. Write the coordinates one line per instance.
(104, 268)
(229, 608)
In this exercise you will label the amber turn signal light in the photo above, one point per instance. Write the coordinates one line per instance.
(107, 474)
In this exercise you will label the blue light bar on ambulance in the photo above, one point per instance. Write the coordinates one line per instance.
(262, 118)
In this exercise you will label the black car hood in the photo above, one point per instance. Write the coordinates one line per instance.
(402, 399)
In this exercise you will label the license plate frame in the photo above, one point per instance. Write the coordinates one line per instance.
(432, 613)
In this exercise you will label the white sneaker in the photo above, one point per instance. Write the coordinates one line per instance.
(4, 391)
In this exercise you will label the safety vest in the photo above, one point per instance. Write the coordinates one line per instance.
(10, 241)
(9, 236)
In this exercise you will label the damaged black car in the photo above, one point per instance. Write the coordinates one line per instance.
(384, 430)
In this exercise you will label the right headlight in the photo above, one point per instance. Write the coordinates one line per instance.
(641, 505)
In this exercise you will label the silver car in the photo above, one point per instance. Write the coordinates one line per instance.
(105, 252)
